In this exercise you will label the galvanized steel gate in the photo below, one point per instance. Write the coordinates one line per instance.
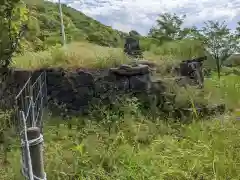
(30, 103)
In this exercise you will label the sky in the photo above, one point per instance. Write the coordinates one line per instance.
(141, 15)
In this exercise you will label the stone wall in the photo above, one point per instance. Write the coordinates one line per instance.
(11, 81)
(75, 89)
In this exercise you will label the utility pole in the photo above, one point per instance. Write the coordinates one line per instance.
(62, 25)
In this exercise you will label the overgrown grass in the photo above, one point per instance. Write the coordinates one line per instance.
(134, 147)
(182, 49)
(85, 55)
(75, 55)
(227, 90)
(138, 149)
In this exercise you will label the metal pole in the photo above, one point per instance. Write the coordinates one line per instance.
(62, 25)
(26, 153)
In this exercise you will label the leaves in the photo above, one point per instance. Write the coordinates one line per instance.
(168, 28)
(218, 41)
(13, 15)
(215, 37)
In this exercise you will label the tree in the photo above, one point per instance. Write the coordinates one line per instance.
(238, 34)
(12, 15)
(238, 29)
(191, 33)
(169, 28)
(218, 41)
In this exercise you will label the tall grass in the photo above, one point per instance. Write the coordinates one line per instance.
(227, 90)
(75, 55)
(87, 55)
(139, 149)
(182, 49)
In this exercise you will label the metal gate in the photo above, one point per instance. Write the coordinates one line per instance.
(30, 106)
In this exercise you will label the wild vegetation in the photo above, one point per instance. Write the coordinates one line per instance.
(105, 145)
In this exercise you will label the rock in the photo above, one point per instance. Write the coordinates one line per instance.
(82, 97)
(111, 82)
(75, 89)
(126, 70)
(102, 86)
(122, 84)
(140, 83)
(80, 78)
(150, 64)
(85, 78)
(125, 66)
(54, 76)
(157, 86)
(191, 69)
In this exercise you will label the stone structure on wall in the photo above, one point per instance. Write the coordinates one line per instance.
(132, 47)
(193, 70)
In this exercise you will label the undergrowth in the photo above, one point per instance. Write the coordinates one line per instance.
(127, 145)
(136, 148)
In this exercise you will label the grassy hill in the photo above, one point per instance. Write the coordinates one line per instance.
(104, 45)
(44, 32)
(44, 27)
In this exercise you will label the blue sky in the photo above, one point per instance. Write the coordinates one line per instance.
(141, 15)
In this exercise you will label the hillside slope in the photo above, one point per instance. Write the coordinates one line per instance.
(44, 32)
(44, 27)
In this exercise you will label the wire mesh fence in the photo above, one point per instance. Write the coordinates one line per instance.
(30, 103)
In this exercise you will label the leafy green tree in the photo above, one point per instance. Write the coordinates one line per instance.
(169, 27)
(13, 14)
(191, 33)
(218, 41)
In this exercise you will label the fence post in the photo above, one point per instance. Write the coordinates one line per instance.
(36, 151)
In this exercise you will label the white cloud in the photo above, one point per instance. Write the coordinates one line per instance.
(141, 14)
